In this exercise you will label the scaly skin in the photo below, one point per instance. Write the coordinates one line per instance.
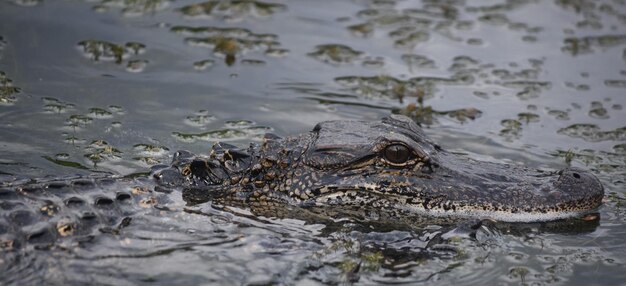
(357, 163)
(384, 165)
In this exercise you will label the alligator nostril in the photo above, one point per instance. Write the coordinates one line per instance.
(576, 175)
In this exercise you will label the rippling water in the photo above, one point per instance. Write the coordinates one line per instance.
(114, 86)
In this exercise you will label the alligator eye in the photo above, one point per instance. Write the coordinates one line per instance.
(397, 153)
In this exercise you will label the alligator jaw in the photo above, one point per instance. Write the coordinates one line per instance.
(439, 207)
(388, 164)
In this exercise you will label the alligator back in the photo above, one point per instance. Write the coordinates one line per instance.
(41, 213)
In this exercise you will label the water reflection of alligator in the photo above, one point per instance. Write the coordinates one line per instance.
(385, 165)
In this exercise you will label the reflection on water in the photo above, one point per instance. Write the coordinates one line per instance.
(115, 86)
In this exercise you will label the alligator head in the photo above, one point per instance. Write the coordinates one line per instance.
(388, 164)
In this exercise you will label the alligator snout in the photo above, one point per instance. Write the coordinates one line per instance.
(577, 190)
(578, 180)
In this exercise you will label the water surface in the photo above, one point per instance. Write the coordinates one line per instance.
(114, 86)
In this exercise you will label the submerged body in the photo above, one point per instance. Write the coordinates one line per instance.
(388, 164)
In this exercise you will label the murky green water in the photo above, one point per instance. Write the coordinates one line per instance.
(115, 86)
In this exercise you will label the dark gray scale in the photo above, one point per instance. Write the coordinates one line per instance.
(387, 165)
(236, 161)
(209, 172)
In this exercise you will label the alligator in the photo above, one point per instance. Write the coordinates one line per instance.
(388, 164)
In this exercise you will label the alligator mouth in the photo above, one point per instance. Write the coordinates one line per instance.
(440, 207)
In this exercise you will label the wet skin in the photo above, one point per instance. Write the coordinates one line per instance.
(387, 165)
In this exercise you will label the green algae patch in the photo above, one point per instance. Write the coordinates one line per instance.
(362, 30)
(232, 10)
(65, 163)
(593, 133)
(220, 134)
(618, 83)
(56, 106)
(335, 54)
(150, 149)
(136, 66)
(99, 113)
(103, 51)
(427, 115)
(528, 117)
(228, 43)
(253, 62)
(519, 272)
(149, 154)
(512, 129)
(99, 151)
(231, 130)
(76, 122)
(411, 40)
(200, 118)
(584, 45)
(7, 90)
(416, 62)
(147, 161)
(132, 7)
(610, 166)
(386, 86)
(203, 64)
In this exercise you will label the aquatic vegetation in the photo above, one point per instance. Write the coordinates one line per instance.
(498, 77)
(227, 43)
(78, 120)
(373, 62)
(593, 133)
(620, 83)
(101, 50)
(528, 117)
(511, 129)
(132, 7)
(410, 26)
(252, 62)
(414, 61)
(362, 30)
(99, 113)
(576, 46)
(412, 40)
(335, 54)
(426, 115)
(200, 118)
(150, 149)
(97, 50)
(231, 130)
(232, 9)
(394, 88)
(99, 151)
(136, 65)
(61, 160)
(150, 154)
(7, 90)
(203, 64)
(56, 106)
(598, 111)
(559, 114)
